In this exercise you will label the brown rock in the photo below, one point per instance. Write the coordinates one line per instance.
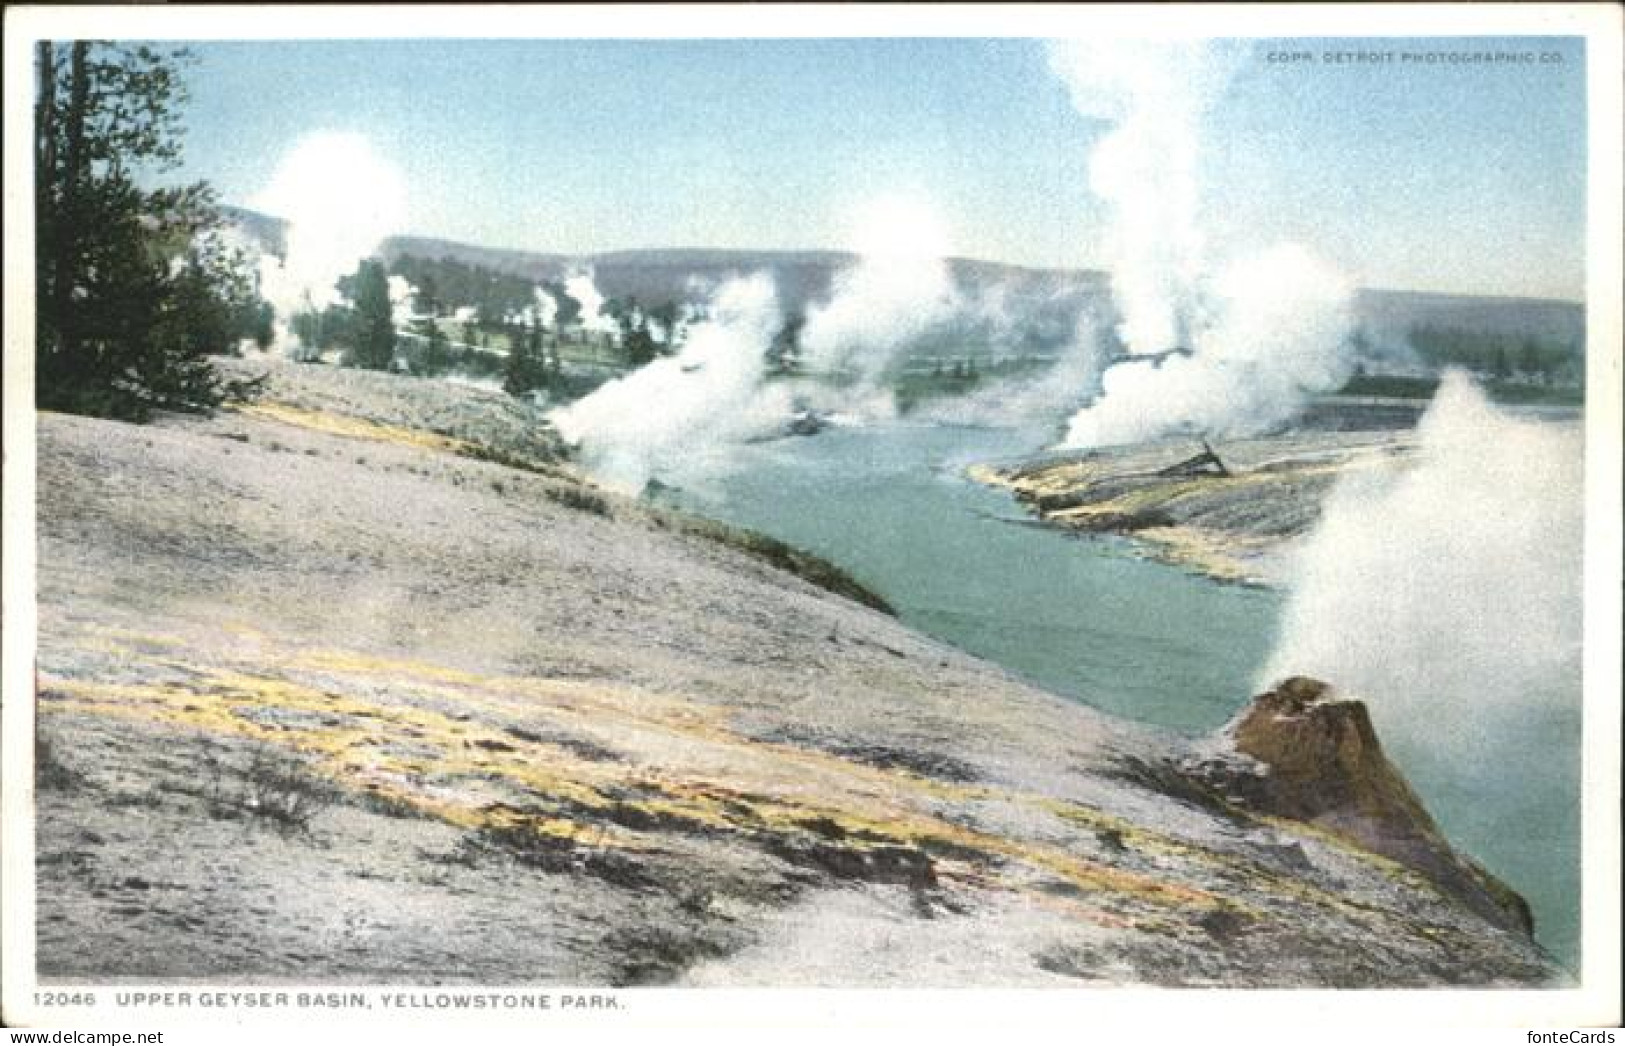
(1316, 759)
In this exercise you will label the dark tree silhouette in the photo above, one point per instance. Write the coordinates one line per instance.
(526, 370)
(374, 345)
(135, 286)
(437, 358)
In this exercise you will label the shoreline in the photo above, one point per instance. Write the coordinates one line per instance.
(1235, 527)
(1233, 520)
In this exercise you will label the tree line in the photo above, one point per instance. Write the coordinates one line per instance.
(138, 284)
(135, 286)
(1501, 356)
(443, 284)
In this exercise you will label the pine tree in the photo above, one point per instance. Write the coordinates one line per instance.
(636, 341)
(374, 342)
(1532, 361)
(437, 358)
(134, 285)
(526, 370)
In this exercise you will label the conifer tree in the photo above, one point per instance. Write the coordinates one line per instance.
(135, 286)
(374, 345)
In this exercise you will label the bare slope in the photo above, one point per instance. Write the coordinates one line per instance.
(325, 697)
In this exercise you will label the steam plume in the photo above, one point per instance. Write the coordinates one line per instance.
(1450, 598)
(1256, 339)
(897, 292)
(581, 286)
(339, 200)
(1277, 333)
(683, 415)
(1146, 169)
(546, 309)
(401, 297)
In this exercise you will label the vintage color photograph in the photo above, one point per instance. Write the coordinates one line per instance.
(1069, 509)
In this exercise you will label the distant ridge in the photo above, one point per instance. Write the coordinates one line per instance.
(676, 273)
(672, 273)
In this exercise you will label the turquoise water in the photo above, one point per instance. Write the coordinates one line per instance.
(1089, 619)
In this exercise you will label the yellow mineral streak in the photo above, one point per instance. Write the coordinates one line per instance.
(352, 427)
(389, 744)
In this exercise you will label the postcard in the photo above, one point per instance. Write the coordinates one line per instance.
(618, 519)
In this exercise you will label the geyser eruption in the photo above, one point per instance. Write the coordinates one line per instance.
(1146, 169)
(546, 310)
(1449, 596)
(339, 200)
(580, 285)
(1224, 354)
(897, 291)
(684, 415)
(1275, 334)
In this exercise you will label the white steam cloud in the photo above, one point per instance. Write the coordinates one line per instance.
(681, 416)
(546, 309)
(896, 293)
(1277, 332)
(1450, 594)
(1255, 340)
(339, 200)
(1449, 598)
(580, 286)
(1147, 171)
(402, 296)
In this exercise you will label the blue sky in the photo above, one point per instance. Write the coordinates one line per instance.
(1437, 177)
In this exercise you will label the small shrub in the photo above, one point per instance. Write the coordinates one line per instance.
(581, 499)
(650, 955)
(529, 847)
(539, 462)
(810, 568)
(246, 390)
(282, 788)
(465, 854)
(276, 787)
(50, 773)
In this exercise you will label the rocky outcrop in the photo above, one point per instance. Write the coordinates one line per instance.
(1302, 751)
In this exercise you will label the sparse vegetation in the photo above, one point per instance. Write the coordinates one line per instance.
(1501, 391)
(50, 772)
(581, 498)
(810, 568)
(508, 459)
(277, 787)
(385, 805)
(1501, 356)
(657, 955)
